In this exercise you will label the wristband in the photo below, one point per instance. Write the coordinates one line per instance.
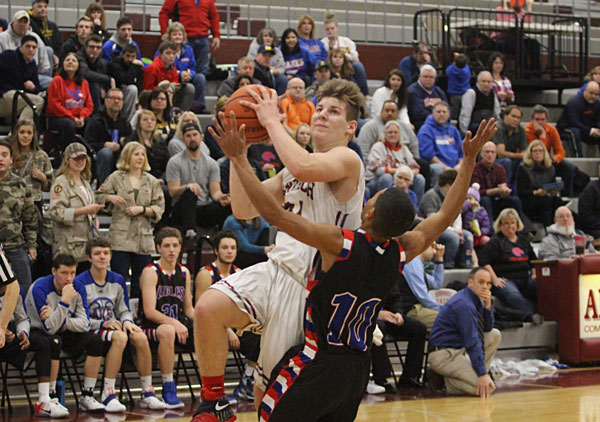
(438, 262)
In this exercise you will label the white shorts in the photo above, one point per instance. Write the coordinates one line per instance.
(275, 302)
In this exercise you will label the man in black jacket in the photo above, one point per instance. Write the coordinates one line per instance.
(128, 73)
(582, 116)
(589, 211)
(75, 43)
(19, 72)
(95, 70)
(105, 131)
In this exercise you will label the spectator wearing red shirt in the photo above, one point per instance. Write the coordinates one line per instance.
(538, 128)
(69, 100)
(199, 17)
(162, 70)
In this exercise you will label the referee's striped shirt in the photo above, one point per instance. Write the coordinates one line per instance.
(6, 273)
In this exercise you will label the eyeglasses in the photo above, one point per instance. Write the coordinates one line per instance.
(115, 98)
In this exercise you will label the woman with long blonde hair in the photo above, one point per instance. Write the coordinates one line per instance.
(137, 203)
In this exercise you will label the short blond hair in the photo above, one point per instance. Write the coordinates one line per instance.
(508, 212)
(125, 158)
(175, 26)
(528, 161)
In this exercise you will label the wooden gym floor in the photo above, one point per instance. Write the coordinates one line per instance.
(566, 395)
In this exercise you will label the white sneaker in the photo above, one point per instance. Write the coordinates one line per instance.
(90, 404)
(52, 409)
(150, 401)
(373, 388)
(112, 405)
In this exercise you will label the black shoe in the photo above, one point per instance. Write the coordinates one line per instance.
(389, 388)
(436, 381)
(409, 383)
(214, 411)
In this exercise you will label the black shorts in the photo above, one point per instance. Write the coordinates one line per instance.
(149, 328)
(329, 388)
(77, 343)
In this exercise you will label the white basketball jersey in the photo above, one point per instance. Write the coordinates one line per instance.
(315, 202)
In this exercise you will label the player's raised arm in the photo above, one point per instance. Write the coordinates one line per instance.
(325, 237)
(241, 205)
(330, 165)
(418, 239)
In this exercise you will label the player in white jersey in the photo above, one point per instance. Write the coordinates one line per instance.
(269, 297)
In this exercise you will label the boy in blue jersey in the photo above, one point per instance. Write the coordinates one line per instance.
(106, 296)
(56, 308)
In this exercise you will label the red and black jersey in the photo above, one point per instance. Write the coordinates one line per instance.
(215, 273)
(343, 303)
(170, 294)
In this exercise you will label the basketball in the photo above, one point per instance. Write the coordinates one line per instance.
(255, 132)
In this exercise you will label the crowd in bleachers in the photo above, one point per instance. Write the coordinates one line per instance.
(126, 141)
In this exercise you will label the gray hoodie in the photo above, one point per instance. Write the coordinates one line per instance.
(372, 131)
(556, 245)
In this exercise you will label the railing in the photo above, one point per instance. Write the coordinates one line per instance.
(14, 116)
(378, 21)
(429, 27)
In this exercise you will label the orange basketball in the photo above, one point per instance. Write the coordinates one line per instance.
(255, 132)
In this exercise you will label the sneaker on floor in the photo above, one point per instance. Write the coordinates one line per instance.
(169, 395)
(150, 401)
(245, 389)
(373, 388)
(51, 409)
(214, 411)
(87, 403)
(112, 404)
(389, 387)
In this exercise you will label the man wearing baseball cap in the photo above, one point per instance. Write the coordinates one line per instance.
(11, 39)
(194, 182)
(46, 29)
(322, 75)
(262, 65)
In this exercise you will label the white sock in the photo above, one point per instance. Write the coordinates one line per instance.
(89, 383)
(53, 386)
(43, 392)
(249, 371)
(108, 384)
(146, 383)
(167, 377)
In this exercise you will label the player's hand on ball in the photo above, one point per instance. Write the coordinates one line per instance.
(267, 106)
(231, 139)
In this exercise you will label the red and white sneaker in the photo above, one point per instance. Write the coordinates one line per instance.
(51, 409)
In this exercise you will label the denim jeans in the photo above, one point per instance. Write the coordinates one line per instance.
(451, 241)
(514, 293)
(379, 182)
(122, 261)
(21, 266)
(201, 50)
(281, 83)
(199, 82)
(360, 74)
(510, 165)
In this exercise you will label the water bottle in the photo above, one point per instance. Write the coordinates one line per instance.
(60, 391)
(468, 257)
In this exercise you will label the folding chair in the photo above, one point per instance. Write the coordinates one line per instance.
(4, 374)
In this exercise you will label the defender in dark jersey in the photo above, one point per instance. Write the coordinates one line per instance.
(354, 271)
(166, 309)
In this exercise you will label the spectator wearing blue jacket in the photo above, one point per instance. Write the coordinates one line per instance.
(582, 116)
(185, 63)
(306, 38)
(121, 37)
(298, 60)
(423, 95)
(411, 65)
(440, 143)
(459, 82)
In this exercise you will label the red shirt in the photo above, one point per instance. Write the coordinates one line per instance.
(551, 140)
(67, 99)
(198, 19)
(156, 73)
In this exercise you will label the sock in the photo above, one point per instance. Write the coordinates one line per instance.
(167, 377)
(89, 384)
(249, 371)
(213, 388)
(53, 387)
(108, 384)
(146, 383)
(43, 392)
